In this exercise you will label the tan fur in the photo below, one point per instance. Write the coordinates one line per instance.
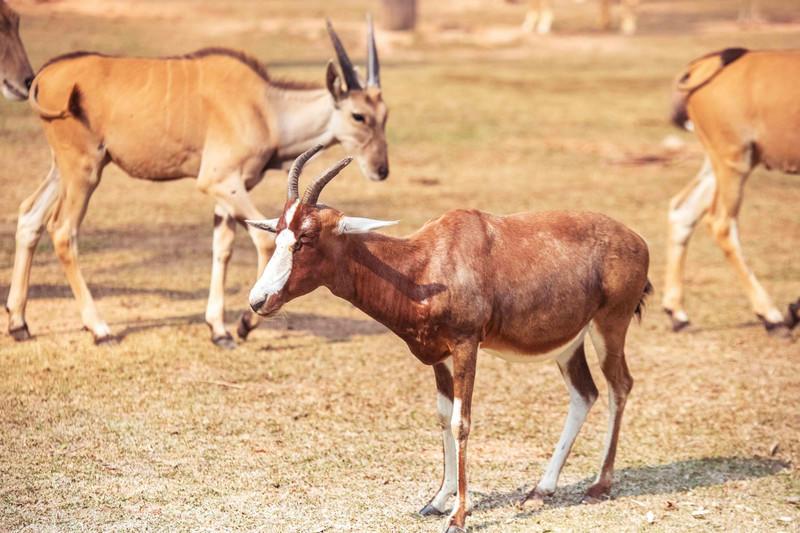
(745, 113)
(214, 115)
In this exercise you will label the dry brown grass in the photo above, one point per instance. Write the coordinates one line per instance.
(330, 426)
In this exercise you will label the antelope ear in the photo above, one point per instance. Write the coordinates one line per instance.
(268, 224)
(334, 82)
(362, 225)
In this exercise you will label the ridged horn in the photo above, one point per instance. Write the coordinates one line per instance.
(349, 73)
(373, 65)
(297, 167)
(312, 192)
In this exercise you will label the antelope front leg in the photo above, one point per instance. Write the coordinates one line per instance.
(444, 405)
(685, 210)
(464, 359)
(222, 247)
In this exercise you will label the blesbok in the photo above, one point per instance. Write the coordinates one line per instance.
(215, 115)
(539, 17)
(15, 68)
(526, 287)
(743, 105)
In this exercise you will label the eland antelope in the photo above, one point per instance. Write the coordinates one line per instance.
(539, 17)
(526, 287)
(743, 105)
(215, 115)
(15, 69)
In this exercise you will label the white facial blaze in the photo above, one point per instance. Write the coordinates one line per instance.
(279, 267)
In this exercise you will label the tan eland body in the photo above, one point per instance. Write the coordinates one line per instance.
(540, 15)
(214, 115)
(745, 107)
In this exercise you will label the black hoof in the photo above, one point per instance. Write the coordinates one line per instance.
(245, 327)
(677, 325)
(106, 340)
(430, 510)
(793, 315)
(224, 341)
(778, 330)
(456, 529)
(21, 333)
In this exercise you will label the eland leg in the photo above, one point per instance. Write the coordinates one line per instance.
(723, 220)
(685, 209)
(234, 202)
(80, 174)
(33, 215)
(222, 249)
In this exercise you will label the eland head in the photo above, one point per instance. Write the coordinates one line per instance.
(360, 116)
(309, 237)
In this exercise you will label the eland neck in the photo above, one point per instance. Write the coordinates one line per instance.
(303, 118)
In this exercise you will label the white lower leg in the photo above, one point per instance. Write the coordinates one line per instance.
(222, 245)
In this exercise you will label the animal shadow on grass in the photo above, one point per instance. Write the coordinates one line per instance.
(680, 476)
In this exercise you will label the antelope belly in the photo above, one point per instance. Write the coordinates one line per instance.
(518, 357)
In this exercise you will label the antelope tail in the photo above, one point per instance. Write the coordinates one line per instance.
(47, 114)
(648, 290)
(697, 74)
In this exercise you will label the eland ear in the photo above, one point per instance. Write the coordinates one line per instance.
(362, 225)
(334, 82)
(268, 224)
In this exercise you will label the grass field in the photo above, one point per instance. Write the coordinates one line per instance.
(323, 420)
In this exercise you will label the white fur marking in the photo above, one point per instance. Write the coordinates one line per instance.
(445, 409)
(277, 270)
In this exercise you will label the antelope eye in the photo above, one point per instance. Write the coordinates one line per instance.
(297, 246)
(358, 117)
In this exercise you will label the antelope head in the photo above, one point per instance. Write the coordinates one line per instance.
(359, 119)
(310, 239)
(15, 69)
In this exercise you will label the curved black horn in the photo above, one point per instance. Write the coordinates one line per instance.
(312, 192)
(373, 65)
(349, 73)
(297, 168)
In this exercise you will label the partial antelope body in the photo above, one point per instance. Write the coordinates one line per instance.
(15, 69)
(529, 286)
(215, 115)
(540, 15)
(744, 107)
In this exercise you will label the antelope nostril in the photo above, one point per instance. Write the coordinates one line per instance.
(255, 305)
(383, 171)
(28, 82)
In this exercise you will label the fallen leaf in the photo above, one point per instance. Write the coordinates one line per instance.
(785, 519)
(774, 449)
(700, 513)
(670, 506)
(650, 517)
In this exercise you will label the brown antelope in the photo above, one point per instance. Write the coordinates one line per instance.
(215, 115)
(15, 69)
(744, 107)
(526, 287)
(539, 17)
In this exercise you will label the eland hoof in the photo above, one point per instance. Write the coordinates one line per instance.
(456, 529)
(793, 315)
(20, 334)
(677, 324)
(225, 342)
(106, 340)
(245, 327)
(777, 330)
(430, 510)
